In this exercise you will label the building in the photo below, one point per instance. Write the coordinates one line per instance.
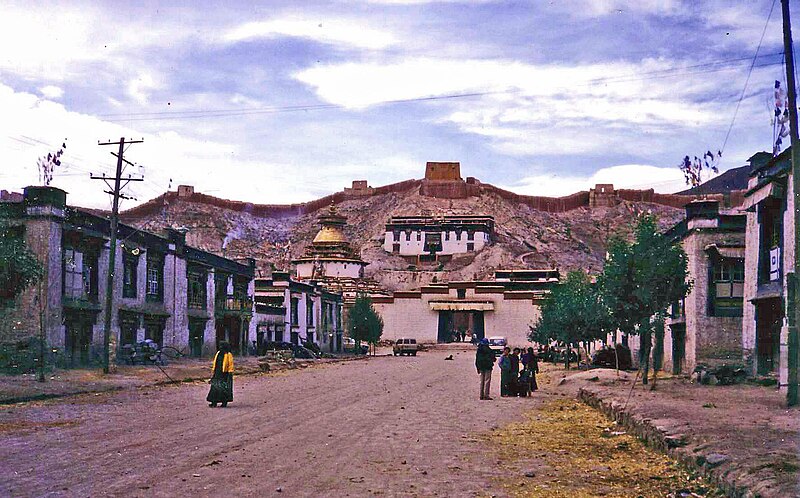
(165, 291)
(506, 306)
(705, 328)
(431, 237)
(330, 255)
(298, 312)
(769, 264)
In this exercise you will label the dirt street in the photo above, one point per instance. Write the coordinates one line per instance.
(391, 426)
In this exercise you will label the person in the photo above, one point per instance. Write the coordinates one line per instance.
(532, 366)
(514, 371)
(222, 377)
(505, 372)
(484, 362)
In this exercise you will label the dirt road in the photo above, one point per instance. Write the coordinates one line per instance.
(387, 426)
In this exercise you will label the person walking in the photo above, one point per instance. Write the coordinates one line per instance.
(222, 377)
(505, 372)
(484, 362)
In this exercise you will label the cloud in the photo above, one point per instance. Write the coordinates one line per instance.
(526, 108)
(338, 32)
(51, 92)
(635, 176)
(139, 88)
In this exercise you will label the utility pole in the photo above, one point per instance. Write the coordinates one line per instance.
(794, 342)
(112, 254)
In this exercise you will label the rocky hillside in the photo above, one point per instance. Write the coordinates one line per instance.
(525, 237)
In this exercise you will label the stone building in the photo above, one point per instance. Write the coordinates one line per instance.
(705, 329)
(505, 306)
(166, 291)
(431, 237)
(297, 312)
(769, 264)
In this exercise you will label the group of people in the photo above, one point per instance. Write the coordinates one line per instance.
(518, 370)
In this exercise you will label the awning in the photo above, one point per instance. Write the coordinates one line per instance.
(461, 306)
(759, 195)
(726, 252)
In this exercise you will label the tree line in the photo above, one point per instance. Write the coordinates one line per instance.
(640, 280)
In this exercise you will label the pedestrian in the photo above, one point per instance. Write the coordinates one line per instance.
(505, 372)
(532, 365)
(484, 362)
(222, 377)
(515, 372)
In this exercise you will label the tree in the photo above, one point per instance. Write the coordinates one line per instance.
(572, 313)
(640, 280)
(363, 322)
(19, 267)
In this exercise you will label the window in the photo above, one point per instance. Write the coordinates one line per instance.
(294, 312)
(129, 268)
(677, 309)
(154, 289)
(309, 312)
(80, 274)
(419, 236)
(447, 236)
(470, 246)
(727, 287)
(770, 219)
(154, 329)
(408, 236)
(395, 247)
(470, 235)
(461, 293)
(196, 288)
(458, 235)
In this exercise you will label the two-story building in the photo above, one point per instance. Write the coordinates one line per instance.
(769, 264)
(163, 290)
(705, 328)
(288, 310)
(432, 237)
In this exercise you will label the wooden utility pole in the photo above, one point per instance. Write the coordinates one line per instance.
(112, 253)
(791, 392)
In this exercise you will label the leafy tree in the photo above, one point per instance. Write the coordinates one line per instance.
(572, 313)
(363, 322)
(641, 280)
(19, 267)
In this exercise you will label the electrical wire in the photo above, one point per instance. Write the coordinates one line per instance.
(747, 80)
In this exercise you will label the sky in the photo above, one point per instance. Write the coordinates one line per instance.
(286, 101)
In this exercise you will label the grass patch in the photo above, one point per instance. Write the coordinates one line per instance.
(567, 449)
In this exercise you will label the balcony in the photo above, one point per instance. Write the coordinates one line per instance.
(233, 304)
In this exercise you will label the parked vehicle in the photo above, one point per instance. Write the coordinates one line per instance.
(497, 344)
(405, 346)
(350, 346)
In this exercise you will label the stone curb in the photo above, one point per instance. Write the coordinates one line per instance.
(47, 396)
(715, 467)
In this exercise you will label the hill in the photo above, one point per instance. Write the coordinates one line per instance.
(531, 232)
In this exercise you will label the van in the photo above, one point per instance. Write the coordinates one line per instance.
(405, 346)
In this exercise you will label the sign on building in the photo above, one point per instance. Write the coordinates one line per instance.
(774, 264)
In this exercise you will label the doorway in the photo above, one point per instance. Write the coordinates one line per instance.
(78, 341)
(678, 347)
(769, 319)
(197, 330)
(460, 326)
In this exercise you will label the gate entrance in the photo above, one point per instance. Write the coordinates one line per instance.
(460, 326)
(769, 318)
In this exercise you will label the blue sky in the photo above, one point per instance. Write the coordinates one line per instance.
(288, 101)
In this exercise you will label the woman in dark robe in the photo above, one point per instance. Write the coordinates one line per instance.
(222, 377)
(533, 368)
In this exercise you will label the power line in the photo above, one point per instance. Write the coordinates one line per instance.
(747, 80)
(703, 68)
